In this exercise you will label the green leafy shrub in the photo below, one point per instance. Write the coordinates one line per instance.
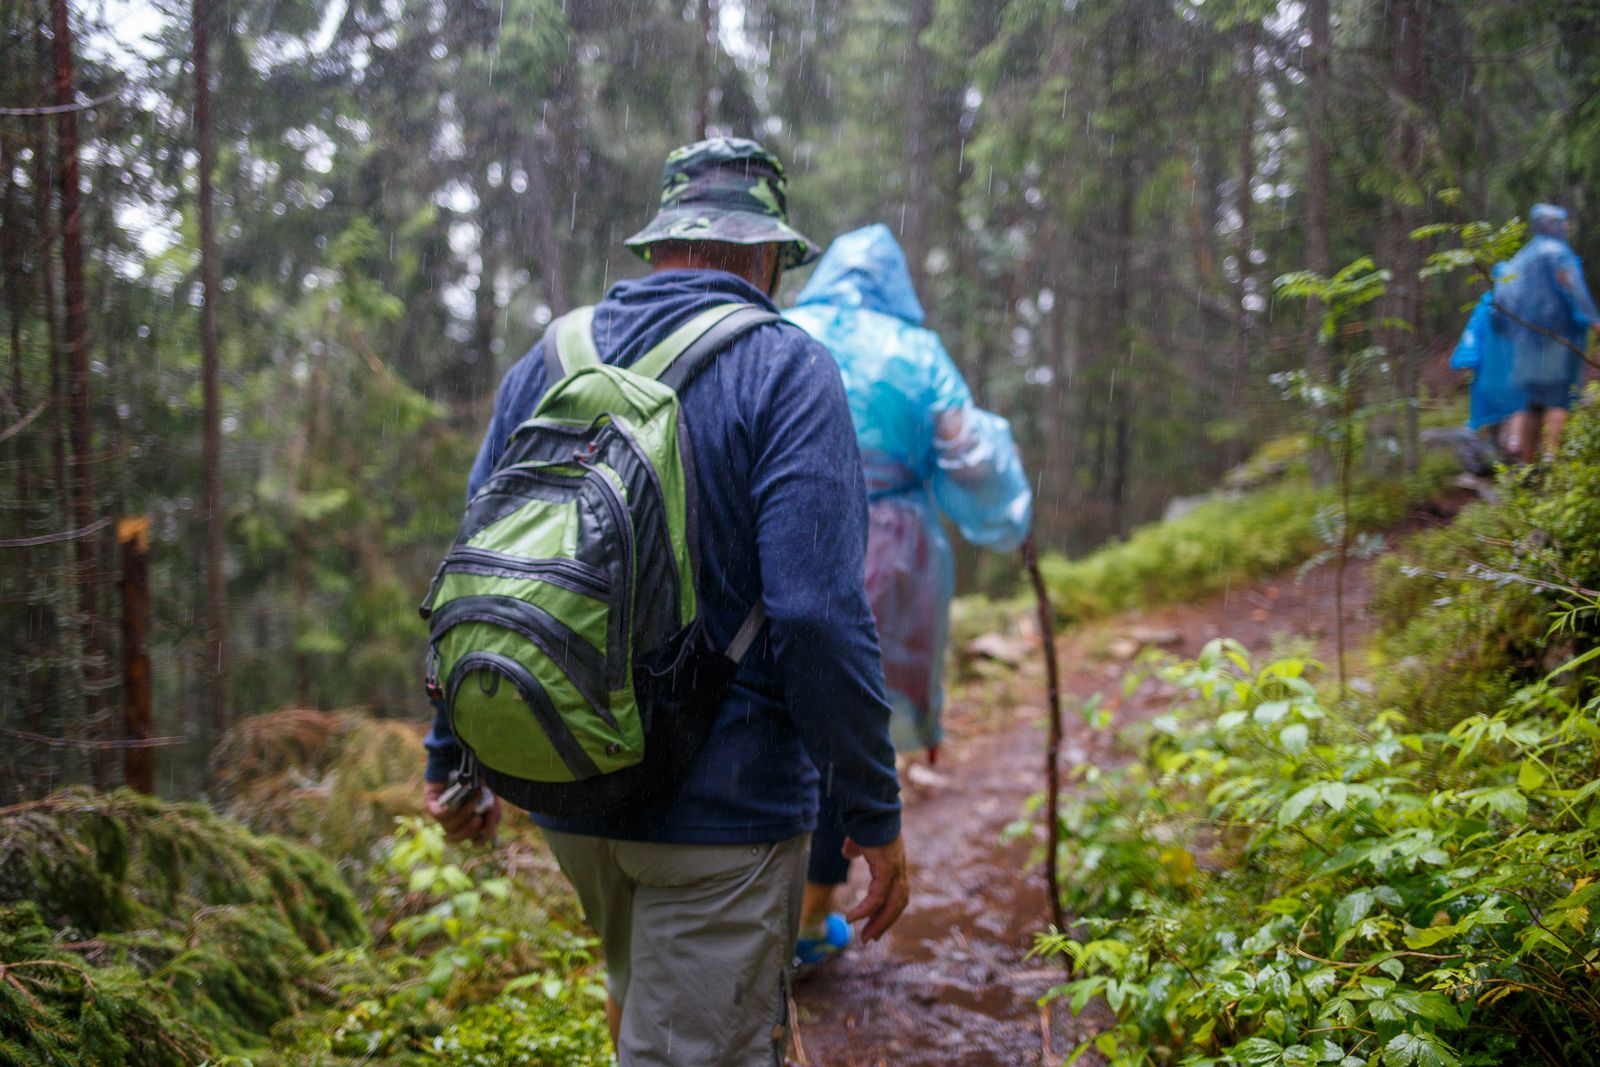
(1280, 882)
(472, 965)
(553, 1028)
(1467, 608)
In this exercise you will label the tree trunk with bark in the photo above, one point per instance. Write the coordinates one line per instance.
(133, 542)
(43, 182)
(210, 363)
(1401, 218)
(546, 242)
(11, 281)
(706, 66)
(1122, 326)
(1319, 159)
(919, 152)
(78, 381)
(1250, 93)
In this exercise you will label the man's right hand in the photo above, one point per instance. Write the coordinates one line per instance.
(889, 891)
(461, 823)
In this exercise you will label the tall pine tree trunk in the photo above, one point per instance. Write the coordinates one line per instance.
(1410, 36)
(1319, 160)
(546, 242)
(1250, 92)
(706, 64)
(81, 428)
(43, 182)
(216, 580)
(1126, 54)
(11, 250)
(919, 152)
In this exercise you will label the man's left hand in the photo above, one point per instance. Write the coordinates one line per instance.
(889, 891)
(463, 823)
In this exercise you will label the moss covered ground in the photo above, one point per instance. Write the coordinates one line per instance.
(136, 932)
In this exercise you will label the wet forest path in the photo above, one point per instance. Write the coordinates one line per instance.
(951, 984)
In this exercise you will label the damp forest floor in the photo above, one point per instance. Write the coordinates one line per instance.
(952, 982)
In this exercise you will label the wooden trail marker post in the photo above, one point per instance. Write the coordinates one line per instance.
(133, 546)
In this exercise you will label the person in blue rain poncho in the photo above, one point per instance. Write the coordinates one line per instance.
(1548, 313)
(1485, 351)
(927, 451)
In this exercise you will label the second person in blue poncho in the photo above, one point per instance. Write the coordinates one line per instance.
(1547, 313)
(927, 451)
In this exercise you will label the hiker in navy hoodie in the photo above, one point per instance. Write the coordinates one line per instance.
(696, 898)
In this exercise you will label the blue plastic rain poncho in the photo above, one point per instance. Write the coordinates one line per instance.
(926, 449)
(1486, 352)
(1543, 287)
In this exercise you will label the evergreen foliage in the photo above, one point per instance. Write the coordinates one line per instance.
(1094, 197)
(142, 932)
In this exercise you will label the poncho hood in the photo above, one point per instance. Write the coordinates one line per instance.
(865, 268)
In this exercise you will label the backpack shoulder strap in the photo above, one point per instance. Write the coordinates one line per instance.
(569, 344)
(674, 363)
(691, 347)
(747, 633)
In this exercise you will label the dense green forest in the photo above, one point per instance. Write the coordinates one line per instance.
(1098, 199)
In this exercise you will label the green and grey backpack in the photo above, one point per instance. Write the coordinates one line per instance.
(565, 643)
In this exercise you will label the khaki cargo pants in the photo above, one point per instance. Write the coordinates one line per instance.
(698, 942)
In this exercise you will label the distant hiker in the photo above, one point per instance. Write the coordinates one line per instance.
(695, 890)
(1548, 314)
(927, 450)
(1485, 350)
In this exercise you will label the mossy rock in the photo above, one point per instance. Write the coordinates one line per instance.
(141, 932)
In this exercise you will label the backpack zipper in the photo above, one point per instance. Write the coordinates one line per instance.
(567, 573)
(533, 697)
(619, 515)
(554, 644)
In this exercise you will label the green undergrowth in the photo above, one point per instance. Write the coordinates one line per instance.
(1466, 609)
(1282, 881)
(1400, 878)
(1227, 541)
(140, 932)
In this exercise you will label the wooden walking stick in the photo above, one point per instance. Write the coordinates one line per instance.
(1052, 757)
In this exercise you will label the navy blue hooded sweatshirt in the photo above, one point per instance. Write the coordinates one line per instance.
(782, 517)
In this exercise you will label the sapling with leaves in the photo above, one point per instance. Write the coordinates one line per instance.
(1338, 405)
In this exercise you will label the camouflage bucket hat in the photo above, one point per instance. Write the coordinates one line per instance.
(724, 189)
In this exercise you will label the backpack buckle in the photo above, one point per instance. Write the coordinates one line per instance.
(430, 678)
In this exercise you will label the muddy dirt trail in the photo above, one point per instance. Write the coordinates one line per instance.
(951, 985)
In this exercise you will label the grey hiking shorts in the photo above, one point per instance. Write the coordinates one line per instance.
(698, 943)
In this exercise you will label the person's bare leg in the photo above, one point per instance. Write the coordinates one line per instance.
(1555, 420)
(817, 902)
(1515, 428)
(1528, 435)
